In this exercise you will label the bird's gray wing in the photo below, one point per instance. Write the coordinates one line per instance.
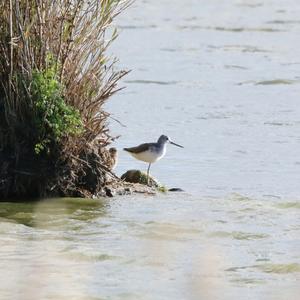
(138, 149)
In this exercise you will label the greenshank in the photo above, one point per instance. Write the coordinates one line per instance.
(151, 152)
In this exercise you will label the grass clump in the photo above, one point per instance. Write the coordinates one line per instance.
(162, 189)
(55, 76)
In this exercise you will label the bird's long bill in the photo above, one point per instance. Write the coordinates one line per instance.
(176, 144)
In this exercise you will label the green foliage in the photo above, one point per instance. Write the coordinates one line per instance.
(54, 118)
(162, 189)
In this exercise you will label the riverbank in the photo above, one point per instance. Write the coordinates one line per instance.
(56, 75)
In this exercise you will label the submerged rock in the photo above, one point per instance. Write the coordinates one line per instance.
(176, 190)
(128, 188)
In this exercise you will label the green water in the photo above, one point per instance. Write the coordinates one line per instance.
(163, 247)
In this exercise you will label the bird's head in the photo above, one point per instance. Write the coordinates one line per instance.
(163, 139)
(112, 151)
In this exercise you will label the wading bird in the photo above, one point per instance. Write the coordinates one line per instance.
(151, 152)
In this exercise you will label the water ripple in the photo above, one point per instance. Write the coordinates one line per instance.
(277, 81)
(286, 205)
(229, 29)
(238, 235)
(280, 81)
(271, 268)
(152, 82)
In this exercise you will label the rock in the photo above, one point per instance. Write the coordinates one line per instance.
(137, 176)
(176, 190)
(127, 190)
(109, 192)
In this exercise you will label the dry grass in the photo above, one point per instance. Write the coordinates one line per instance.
(74, 36)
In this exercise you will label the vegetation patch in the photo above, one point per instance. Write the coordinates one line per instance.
(55, 76)
(53, 117)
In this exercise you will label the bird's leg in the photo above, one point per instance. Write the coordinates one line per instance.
(148, 173)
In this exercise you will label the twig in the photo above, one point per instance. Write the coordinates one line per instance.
(119, 122)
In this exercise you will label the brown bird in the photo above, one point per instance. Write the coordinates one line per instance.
(113, 160)
(109, 157)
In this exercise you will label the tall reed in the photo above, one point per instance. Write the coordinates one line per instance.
(55, 76)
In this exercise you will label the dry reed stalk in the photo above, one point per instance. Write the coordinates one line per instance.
(74, 35)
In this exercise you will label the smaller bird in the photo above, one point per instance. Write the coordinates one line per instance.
(151, 152)
(110, 157)
(113, 157)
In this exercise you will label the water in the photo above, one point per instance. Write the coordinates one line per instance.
(168, 247)
(221, 78)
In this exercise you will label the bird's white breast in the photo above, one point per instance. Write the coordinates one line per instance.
(149, 156)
